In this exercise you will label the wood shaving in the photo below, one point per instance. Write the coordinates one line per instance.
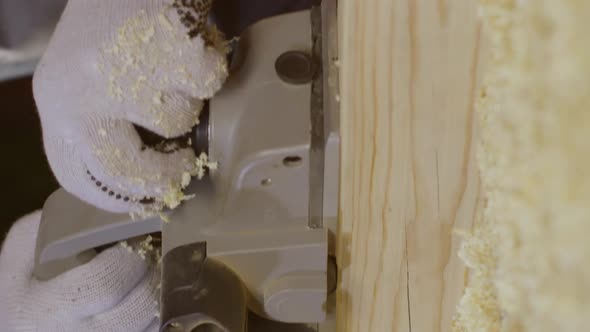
(145, 249)
(165, 218)
(203, 164)
(186, 179)
(139, 65)
(529, 251)
(177, 326)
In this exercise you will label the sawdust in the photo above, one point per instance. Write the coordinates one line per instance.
(175, 195)
(177, 326)
(140, 67)
(126, 245)
(167, 146)
(186, 180)
(145, 60)
(217, 39)
(528, 254)
(202, 164)
(149, 250)
(478, 310)
(145, 248)
(147, 211)
(164, 217)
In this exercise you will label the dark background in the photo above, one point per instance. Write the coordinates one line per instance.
(24, 172)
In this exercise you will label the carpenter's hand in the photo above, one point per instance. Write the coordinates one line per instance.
(112, 64)
(116, 291)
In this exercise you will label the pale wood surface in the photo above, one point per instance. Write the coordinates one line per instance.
(409, 77)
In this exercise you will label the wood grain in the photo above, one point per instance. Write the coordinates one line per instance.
(409, 76)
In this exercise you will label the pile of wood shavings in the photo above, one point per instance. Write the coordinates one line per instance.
(528, 254)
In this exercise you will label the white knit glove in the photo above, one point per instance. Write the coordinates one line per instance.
(116, 291)
(114, 63)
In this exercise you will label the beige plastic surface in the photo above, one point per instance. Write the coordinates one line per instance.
(296, 297)
(259, 210)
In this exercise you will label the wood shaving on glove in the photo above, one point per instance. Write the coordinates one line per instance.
(111, 67)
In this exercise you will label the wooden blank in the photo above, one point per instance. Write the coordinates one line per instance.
(410, 71)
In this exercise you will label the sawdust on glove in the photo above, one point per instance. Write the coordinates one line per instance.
(112, 66)
(116, 291)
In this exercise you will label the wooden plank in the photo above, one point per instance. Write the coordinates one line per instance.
(409, 76)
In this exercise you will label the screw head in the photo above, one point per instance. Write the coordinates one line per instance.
(296, 67)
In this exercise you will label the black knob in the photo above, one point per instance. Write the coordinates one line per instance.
(296, 67)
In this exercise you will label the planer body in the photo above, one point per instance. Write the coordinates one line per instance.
(258, 238)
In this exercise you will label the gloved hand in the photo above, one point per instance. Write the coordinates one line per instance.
(112, 64)
(116, 291)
